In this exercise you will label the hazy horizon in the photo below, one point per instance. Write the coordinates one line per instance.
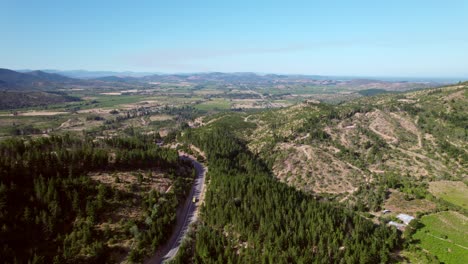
(331, 76)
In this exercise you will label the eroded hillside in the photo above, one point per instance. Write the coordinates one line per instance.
(336, 149)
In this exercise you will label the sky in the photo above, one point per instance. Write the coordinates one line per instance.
(408, 38)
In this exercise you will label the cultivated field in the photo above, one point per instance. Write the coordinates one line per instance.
(444, 235)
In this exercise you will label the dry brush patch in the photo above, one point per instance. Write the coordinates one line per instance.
(152, 180)
(161, 117)
(383, 127)
(132, 186)
(397, 203)
(313, 169)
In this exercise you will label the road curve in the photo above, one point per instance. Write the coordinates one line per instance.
(185, 216)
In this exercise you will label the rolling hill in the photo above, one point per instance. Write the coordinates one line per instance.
(15, 80)
(46, 80)
(29, 89)
(377, 156)
(52, 77)
(335, 150)
(35, 80)
(16, 100)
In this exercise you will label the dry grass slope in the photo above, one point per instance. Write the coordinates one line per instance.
(410, 129)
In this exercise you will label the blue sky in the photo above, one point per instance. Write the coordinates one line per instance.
(361, 38)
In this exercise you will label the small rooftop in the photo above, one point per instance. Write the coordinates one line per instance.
(397, 225)
(405, 218)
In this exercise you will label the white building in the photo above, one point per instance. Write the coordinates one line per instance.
(397, 225)
(405, 218)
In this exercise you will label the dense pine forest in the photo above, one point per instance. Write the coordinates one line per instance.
(49, 206)
(250, 217)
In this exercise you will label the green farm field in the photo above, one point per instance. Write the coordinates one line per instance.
(445, 235)
(217, 104)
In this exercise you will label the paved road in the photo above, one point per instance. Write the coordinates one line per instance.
(185, 216)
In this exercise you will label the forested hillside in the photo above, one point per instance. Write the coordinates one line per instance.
(250, 217)
(400, 152)
(53, 211)
(337, 149)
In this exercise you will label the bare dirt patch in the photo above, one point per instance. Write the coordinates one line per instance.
(164, 132)
(382, 127)
(456, 95)
(406, 100)
(160, 117)
(36, 113)
(72, 122)
(139, 104)
(112, 93)
(313, 169)
(95, 111)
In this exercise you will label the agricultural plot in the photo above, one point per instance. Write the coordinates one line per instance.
(445, 235)
(217, 104)
(113, 101)
(454, 192)
(26, 125)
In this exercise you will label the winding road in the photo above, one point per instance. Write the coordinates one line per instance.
(186, 215)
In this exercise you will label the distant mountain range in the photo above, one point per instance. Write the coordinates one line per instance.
(83, 74)
(51, 80)
(34, 88)
(52, 77)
